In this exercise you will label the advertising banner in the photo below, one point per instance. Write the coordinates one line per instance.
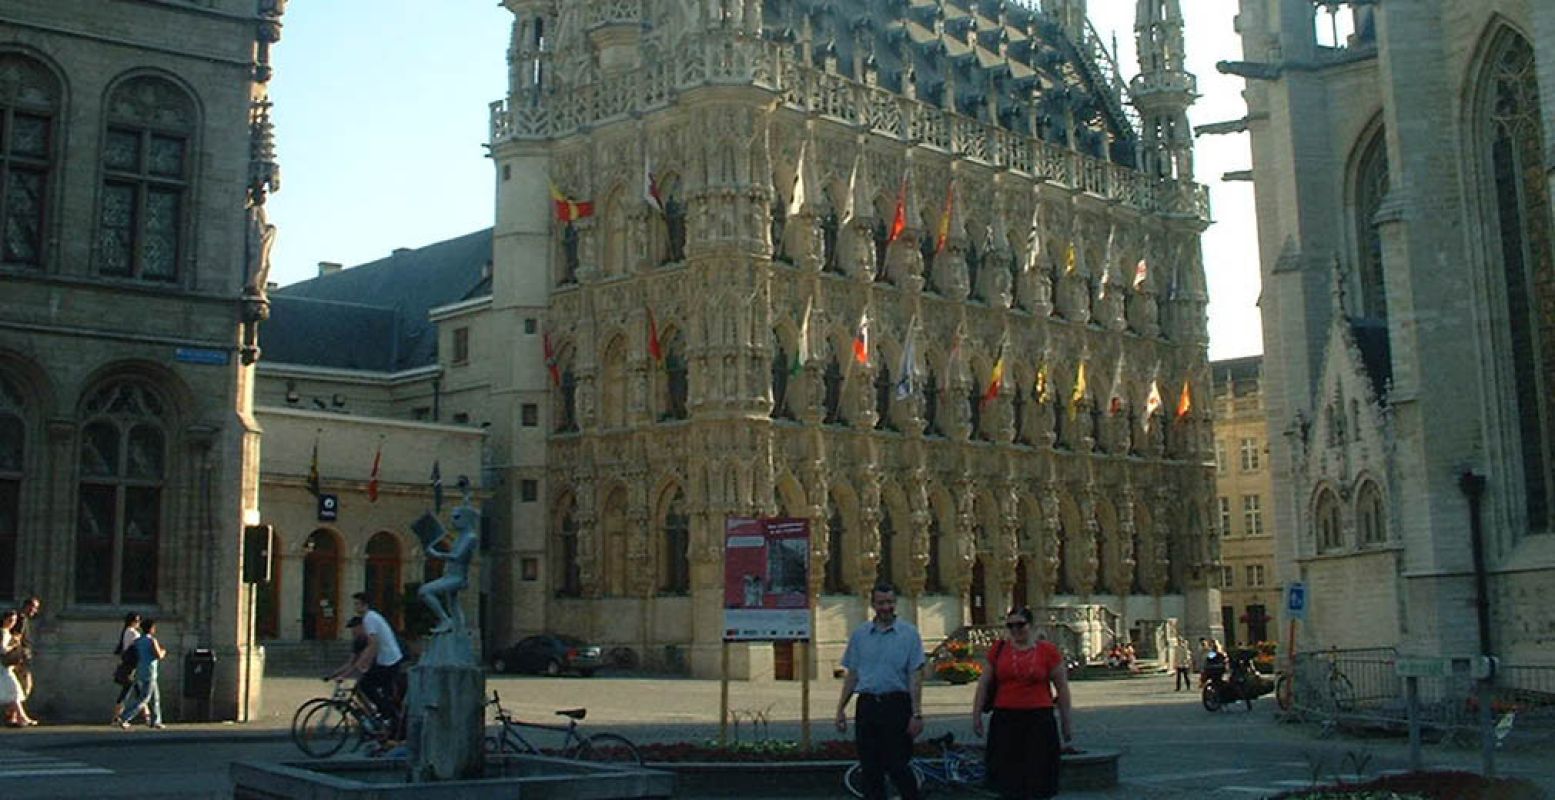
(766, 580)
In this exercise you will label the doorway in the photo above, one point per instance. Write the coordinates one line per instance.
(383, 577)
(321, 586)
(979, 615)
(267, 601)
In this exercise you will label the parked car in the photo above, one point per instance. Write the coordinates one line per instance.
(549, 654)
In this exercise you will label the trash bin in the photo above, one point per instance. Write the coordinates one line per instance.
(199, 685)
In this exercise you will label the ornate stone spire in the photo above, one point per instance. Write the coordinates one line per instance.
(1163, 90)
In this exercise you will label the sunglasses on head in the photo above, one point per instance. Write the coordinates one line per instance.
(1013, 625)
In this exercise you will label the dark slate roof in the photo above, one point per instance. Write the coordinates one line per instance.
(1242, 373)
(374, 316)
(1371, 338)
(1001, 49)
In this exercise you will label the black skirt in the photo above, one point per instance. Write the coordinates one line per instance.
(1023, 753)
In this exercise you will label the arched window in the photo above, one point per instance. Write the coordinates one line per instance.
(383, 575)
(612, 528)
(884, 387)
(831, 382)
(569, 273)
(1371, 186)
(778, 224)
(676, 377)
(13, 440)
(927, 249)
(974, 406)
(1371, 523)
(615, 221)
(1330, 536)
(567, 398)
(567, 575)
(29, 103)
(1018, 409)
(1061, 584)
(321, 585)
(782, 365)
(612, 385)
(123, 462)
(933, 583)
(674, 219)
(148, 151)
(974, 268)
(835, 580)
(1509, 121)
(885, 570)
(829, 256)
(931, 405)
(676, 576)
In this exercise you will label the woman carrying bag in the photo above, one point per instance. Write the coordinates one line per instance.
(124, 671)
(1024, 682)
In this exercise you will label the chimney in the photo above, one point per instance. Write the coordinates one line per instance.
(328, 268)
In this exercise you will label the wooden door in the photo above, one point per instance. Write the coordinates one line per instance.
(321, 587)
(783, 661)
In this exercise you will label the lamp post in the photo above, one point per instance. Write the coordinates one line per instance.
(1473, 487)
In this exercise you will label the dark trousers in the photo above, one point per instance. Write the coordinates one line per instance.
(380, 686)
(1183, 682)
(1023, 753)
(884, 747)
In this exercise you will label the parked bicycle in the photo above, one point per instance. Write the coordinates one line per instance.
(1338, 693)
(323, 725)
(606, 747)
(956, 765)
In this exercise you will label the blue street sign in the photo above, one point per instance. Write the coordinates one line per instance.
(1296, 600)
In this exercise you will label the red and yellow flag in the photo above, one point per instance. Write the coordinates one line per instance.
(655, 350)
(568, 209)
(942, 233)
(1184, 401)
(995, 379)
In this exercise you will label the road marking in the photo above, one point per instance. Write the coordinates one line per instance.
(1258, 790)
(22, 764)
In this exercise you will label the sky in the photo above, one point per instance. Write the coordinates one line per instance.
(381, 114)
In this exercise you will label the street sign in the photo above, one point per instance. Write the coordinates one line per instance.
(329, 508)
(1423, 667)
(1296, 600)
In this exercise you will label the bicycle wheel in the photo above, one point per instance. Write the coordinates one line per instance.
(853, 779)
(326, 729)
(300, 714)
(1341, 692)
(1283, 692)
(966, 767)
(606, 748)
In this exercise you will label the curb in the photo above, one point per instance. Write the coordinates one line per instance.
(138, 738)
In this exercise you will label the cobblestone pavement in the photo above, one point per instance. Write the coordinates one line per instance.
(1171, 747)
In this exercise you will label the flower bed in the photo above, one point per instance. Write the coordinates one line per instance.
(1424, 786)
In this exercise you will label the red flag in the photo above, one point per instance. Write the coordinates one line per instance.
(1184, 401)
(995, 379)
(372, 482)
(655, 351)
(550, 361)
(651, 188)
(899, 219)
(861, 341)
(568, 209)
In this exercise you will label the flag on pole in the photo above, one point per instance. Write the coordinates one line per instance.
(1152, 402)
(995, 379)
(437, 486)
(1034, 244)
(655, 350)
(848, 205)
(1070, 260)
(1039, 385)
(906, 374)
(796, 199)
(861, 339)
(651, 193)
(899, 219)
(1106, 262)
(802, 352)
(1078, 396)
(372, 481)
(315, 486)
(1115, 403)
(942, 233)
(568, 209)
(1185, 400)
(551, 364)
(1141, 272)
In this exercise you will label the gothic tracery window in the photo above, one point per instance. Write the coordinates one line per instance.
(885, 571)
(29, 102)
(1510, 124)
(1371, 186)
(1369, 516)
(675, 575)
(146, 176)
(931, 405)
(884, 388)
(568, 573)
(835, 581)
(1330, 536)
(831, 381)
(933, 582)
(123, 464)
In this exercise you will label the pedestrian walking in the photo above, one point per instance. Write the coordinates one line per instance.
(884, 660)
(1028, 680)
(23, 629)
(1182, 661)
(124, 671)
(149, 654)
(11, 693)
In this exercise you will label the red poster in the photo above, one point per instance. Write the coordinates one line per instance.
(766, 579)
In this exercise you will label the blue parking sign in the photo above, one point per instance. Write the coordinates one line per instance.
(1296, 601)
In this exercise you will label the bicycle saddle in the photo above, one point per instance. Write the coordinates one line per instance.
(575, 713)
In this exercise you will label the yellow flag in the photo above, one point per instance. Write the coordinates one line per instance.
(1069, 259)
(1039, 386)
(1079, 391)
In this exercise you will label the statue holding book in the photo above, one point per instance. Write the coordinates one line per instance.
(442, 595)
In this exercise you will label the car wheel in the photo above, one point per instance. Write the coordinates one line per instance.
(499, 664)
(553, 667)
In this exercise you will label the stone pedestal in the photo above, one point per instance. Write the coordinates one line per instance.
(445, 711)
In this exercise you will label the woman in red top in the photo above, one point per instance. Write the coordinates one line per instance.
(1023, 741)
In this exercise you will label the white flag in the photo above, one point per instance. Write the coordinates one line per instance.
(797, 201)
(906, 376)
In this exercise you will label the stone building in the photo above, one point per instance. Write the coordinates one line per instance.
(1249, 594)
(135, 160)
(711, 206)
(1402, 162)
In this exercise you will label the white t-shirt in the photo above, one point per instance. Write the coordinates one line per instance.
(130, 635)
(388, 647)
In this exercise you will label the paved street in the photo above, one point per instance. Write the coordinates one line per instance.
(1172, 748)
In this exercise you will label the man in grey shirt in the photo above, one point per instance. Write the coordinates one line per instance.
(884, 660)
